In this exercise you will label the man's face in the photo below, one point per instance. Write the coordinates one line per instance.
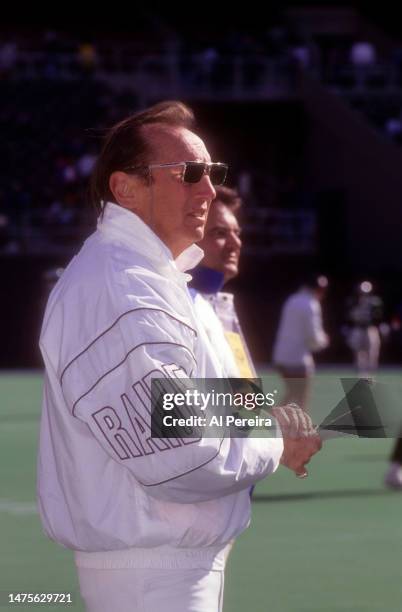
(175, 211)
(221, 243)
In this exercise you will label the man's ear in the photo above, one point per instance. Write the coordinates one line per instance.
(123, 186)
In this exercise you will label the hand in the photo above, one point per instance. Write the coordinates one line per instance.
(300, 438)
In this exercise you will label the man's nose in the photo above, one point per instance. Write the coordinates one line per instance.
(234, 240)
(205, 188)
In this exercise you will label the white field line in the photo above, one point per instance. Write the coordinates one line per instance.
(18, 508)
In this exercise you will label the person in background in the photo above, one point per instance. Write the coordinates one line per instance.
(215, 308)
(300, 334)
(365, 327)
(393, 475)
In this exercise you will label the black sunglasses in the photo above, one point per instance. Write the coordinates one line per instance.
(193, 171)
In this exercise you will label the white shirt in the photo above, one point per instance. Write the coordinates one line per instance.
(217, 313)
(216, 336)
(300, 331)
(121, 314)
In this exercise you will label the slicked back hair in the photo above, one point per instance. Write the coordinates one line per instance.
(126, 144)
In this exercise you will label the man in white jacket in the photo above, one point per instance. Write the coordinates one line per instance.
(148, 518)
(300, 334)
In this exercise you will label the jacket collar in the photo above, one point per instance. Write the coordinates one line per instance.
(125, 226)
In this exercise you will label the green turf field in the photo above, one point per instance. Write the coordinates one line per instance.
(330, 543)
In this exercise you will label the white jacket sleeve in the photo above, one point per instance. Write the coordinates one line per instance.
(108, 387)
(317, 339)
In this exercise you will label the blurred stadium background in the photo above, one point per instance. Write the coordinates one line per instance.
(306, 107)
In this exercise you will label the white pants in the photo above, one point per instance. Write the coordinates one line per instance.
(151, 590)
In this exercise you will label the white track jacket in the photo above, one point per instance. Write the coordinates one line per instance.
(300, 331)
(121, 314)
